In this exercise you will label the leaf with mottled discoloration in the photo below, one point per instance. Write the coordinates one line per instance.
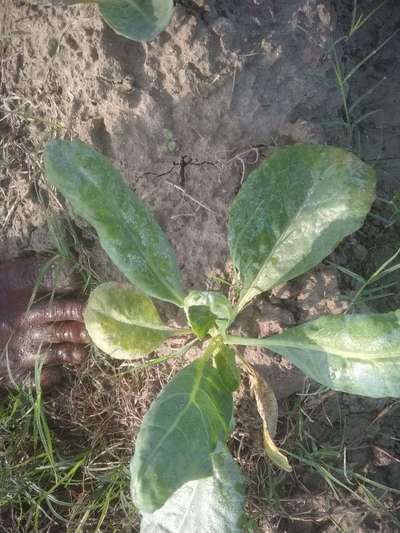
(123, 322)
(209, 505)
(359, 354)
(293, 211)
(180, 433)
(206, 310)
(126, 229)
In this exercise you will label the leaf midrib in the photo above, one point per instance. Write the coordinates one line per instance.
(133, 5)
(384, 356)
(242, 231)
(191, 401)
(283, 236)
(139, 324)
(129, 233)
(195, 489)
(166, 435)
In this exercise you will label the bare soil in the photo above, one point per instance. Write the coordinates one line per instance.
(185, 118)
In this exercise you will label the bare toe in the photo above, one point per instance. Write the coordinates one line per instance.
(56, 311)
(73, 354)
(18, 279)
(59, 332)
(58, 275)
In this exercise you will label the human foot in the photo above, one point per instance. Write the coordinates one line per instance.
(50, 331)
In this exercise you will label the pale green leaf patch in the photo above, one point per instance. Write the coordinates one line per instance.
(138, 20)
(123, 322)
(209, 505)
(206, 310)
(359, 354)
(292, 212)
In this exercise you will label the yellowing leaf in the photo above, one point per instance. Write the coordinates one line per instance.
(267, 407)
(274, 453)
(123, 322)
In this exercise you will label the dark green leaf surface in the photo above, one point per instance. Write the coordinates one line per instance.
(359, 354)
(293, 211)
(123, 322)
(126, 229)
(207, 309)
(210, 505)
(201, 320)
(225, 362)
(179, 433)
(139, 20)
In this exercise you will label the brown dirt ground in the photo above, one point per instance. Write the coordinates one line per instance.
(185, 118)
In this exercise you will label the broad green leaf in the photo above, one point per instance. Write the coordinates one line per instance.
(123, 322)
(210, 505)
(293, 211)
(139, 20)
(200, 319)
(179, 434)
(267, 407)
(126, 229)
(359, 354)
(225, 362)
(205, 310)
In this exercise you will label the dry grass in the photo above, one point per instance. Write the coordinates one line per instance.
(71, 469)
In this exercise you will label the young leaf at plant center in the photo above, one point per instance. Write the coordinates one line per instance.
(359, 354)
(210, 505)
(180, 433)
(201, 320)
(267, 407)
(206, 310)
(123, 322)
(139, 20)
(225, 362)
(126, 229)
(292, 212)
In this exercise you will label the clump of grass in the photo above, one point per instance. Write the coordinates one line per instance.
(65, 456)
(372, 288)
(352, 119)
(327, 487)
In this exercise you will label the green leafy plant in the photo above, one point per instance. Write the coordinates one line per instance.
(138, 20)
(288, 216)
